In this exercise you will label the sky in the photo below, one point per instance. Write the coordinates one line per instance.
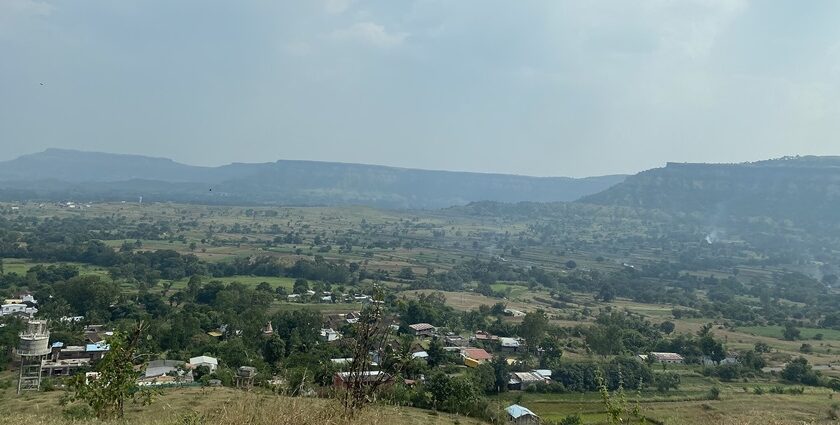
(548, 88)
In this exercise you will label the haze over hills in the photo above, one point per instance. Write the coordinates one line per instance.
(57, 174)
(798, 188)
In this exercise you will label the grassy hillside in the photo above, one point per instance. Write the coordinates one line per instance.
(194, 406)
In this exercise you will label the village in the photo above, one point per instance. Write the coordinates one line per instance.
(41, 357)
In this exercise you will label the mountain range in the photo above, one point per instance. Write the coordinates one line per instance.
(61, 174)
(801, 189)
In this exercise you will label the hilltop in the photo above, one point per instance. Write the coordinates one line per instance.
(795, 188)
(59, 174)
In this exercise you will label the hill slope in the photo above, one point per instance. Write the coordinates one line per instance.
(61, 174)
(800, 188)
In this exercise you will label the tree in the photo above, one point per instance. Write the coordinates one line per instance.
(501, 372)
(667, 381)
(437, 355)
(607, 293)
(274, 349)
(667, 327)
(300, 286)
(371, 336)
(485, 378)
(116, 380)
(791, 333)
(533, 328)
(406, 273)
(712, 348)
(798, 371)
(571, 264)
(552, 354)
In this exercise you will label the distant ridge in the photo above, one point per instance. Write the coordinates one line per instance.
(796, 188)
(63, 174)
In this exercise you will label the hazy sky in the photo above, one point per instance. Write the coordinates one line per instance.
(530, 87)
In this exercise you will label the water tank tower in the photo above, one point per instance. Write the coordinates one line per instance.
(33, 347)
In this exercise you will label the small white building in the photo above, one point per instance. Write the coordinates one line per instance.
(509, 344)
(521, 415)
(330, 335)
(514, 313)
(210, 362)
(668, 358)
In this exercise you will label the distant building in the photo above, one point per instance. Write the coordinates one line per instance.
(330, 335)
(165, 372)
(456, 341)
(668, 358)
(210, 362)
(485, 336)
(475, 356)
(422, 329)
(520, 415)
(509, 344)
(17, 310)
(525, 380)
(420, 355)
(514, 313)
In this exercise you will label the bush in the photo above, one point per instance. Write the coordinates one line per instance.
(713, 394)
(758, 391)
(77, 412)
(778, 389)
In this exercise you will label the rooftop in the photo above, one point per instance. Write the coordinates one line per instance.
(516, 411)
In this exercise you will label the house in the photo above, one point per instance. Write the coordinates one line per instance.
(485, 336)
(422, 329)
(514, 313)
(668, 358)
(17, 309)
(96, 333)
(456, 341)
(475, 356)
(420, 355)
(293, 298)
(210, 362)
(330, 335)
(545, 373)
(348, 380)
(509, 344)
(161, 367)
(520, 415)
(71, 319)
(64, 367)
(342, 360)
(730, 360)
(524, 380)
(165, 372)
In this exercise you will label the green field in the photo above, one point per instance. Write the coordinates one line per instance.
(777, 332)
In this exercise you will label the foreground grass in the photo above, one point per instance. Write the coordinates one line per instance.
(198, 406)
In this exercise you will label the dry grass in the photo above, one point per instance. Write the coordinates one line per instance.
(222, 406)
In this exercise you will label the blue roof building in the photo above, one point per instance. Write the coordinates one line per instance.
(521, 415)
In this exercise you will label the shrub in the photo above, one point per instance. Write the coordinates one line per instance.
(713, 394)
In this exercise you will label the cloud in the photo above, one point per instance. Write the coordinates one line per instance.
(335, 7)
(370, 33)
(297, 48)
(15, 14)
(12, 8)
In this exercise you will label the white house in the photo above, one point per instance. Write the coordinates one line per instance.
(330, 335)
(669, 358)
(521, 415)
(208, 361)
(509, 344)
